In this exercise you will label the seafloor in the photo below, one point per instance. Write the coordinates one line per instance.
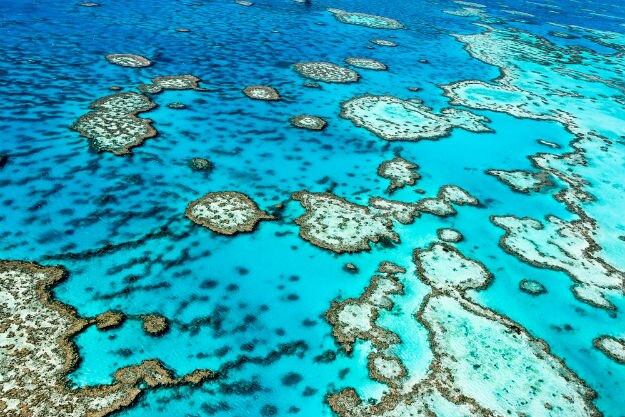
(312, 208)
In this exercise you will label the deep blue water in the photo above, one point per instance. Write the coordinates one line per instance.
(62, 203)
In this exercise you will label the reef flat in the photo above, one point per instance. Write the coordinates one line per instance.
(523, 181)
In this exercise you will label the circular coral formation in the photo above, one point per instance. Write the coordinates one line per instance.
(200, 164)
(532, 287)
(326, 72)
(155, 324)
(366, 63)
(306, 121)
(261, 92)
(226, 212)
(449, 235)
(368, 20)
(129, 60)
(383, 42)
(109, 320)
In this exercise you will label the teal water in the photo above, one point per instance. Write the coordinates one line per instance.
(117, 222)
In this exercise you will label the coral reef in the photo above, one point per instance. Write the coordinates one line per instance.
(366, 63)
(400, 171)
(532, 287)
(355, 318)
(109, 320)
(383, 42)
(128, 60)
(368, 20)
(306, 121)
(447, 195)
(522, 181)
(333, 223)
(393, 119)
(113, 124)
(171, 82)
(155, 324)
(449, 235)
(484, 364)
(200, 164)
(612, 347)
(326, 72)
(562, 246)
(37, 353)
(261, 92)
(226, 212)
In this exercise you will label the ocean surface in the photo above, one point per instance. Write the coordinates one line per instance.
(251, 306)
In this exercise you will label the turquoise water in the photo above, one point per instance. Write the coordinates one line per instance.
(117, 224)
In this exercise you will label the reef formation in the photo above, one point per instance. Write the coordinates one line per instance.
(400, 171)
(128, 60)
(368, 20)
(447, 196)
(171, 82)
(306, 121)
(326, 72)
(226, 212)
(570, 246)
(113, 124)
(261, 92)
(37, 353)
(522, 181)
(366, 63)
(484, 364)
(393, 119)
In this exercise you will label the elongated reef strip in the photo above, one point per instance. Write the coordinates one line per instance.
(128, 60)
(171, 82)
